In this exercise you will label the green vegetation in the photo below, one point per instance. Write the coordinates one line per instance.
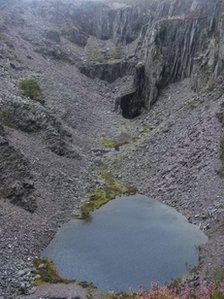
(125, 138)
(146, 129)
(217, 295)
(101, 195)
(113, 143)
(94, 55)
(120, 140)
(6, 115)
(31, 89)
(108, 143)
(92, 52)
(47, 272)
(219, 275)
(117, 52)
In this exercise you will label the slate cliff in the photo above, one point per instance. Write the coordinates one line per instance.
(173, 40)
(156, 62)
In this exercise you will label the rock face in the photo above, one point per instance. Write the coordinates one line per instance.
(16, 179)
(131, 104)
(107, 71)
(179, 46)
(76, 35)
(49, 150)
(174, 39)
(97, 18)
(32, 117)
(184, 46)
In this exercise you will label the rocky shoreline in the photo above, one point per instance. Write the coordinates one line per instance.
(206, 214)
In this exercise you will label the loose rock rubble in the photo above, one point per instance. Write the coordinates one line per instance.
(50, 150)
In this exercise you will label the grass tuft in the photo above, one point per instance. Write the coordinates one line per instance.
(47, 272)
(123, 139)
(108, 143)
(99, 196)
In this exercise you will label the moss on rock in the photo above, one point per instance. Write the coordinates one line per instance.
(101, 195)
(47, 272)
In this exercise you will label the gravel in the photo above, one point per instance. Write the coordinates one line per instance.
(172, 154)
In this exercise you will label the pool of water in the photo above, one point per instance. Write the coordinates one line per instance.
(131, 241)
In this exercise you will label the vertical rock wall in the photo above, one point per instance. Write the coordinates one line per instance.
(174, 39)
(188, 42)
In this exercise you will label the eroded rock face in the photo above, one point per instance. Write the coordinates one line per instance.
(182, 39)
(179, 46)
(176, 157)
(32, 117)
(16, 179)
(174, 39)
(79, 20)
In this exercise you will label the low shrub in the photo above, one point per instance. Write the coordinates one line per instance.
(31, 89)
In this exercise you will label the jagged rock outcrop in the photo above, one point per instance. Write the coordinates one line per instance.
(32, 117)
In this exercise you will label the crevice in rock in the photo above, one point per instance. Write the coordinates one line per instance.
(131, 104)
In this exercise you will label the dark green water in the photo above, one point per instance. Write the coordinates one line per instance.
(129, 242)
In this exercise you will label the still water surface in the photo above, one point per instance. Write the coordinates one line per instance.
(131, 241)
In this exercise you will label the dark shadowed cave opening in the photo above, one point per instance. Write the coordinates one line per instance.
(130, 106)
